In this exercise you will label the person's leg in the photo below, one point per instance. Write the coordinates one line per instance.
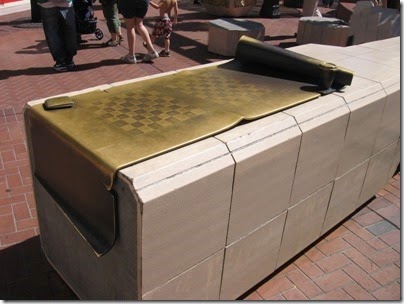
(131, 35)
(144, 34)
(115, 20)
(168, 29)
(166, 51)
(152, 39)
(107, 12)
(146, 37)
(69, 34)
(50, 21)
(110, 11)
(167, 44)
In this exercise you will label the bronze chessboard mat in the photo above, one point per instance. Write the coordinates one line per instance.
(79, 143)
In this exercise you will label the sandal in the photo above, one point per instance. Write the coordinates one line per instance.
(111, 42)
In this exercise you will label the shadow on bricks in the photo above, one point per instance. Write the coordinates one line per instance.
(25, 274)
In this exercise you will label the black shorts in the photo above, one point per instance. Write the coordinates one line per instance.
(133, 8)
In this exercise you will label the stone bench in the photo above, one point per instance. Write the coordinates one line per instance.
(345, 10)
(322, 30)
(210, 220)
(366, 23)
(370, 23)
(225, 33)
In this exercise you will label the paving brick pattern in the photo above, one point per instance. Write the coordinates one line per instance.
(358, 260)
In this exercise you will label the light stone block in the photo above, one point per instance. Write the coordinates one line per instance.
(362, 15)
(358, 24)
(322, 30)
(377, 17)
(359, 88)
(353, 50)
(315, 32)
(362, 130)
(112, 276)
(395, 30)
(323, 123)
(225, 33)
(390, 124)
(378, 172)
(185, 201)
(201, 282)
(336, 34)
(322, 52)
(301, 28)
(303, 225)
(345, 196)
(265, 152)
(383, 45)
(151, 234)
(372, 26)
(386, 57)
(174, 208)
(386, 75)
(384, 30)
(396, 159)
(251, 259)
(307, 34)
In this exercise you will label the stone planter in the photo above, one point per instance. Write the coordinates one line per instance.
(229, 8)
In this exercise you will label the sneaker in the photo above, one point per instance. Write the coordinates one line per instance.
(150, 57)
(69, 65)
(164, 53)
(128, 59)
(60, 67)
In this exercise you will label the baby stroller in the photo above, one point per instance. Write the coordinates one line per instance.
(85, 20)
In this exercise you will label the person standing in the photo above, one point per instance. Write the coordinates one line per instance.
(163, 26)
(59, 25)
(134, 11)
(110, 11)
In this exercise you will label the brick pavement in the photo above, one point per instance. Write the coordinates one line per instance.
(359, 260)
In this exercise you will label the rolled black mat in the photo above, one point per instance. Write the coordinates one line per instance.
(250, 50)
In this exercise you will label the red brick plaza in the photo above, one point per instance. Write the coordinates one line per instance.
(358, 260)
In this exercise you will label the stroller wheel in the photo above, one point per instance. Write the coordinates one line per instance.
(99, 34)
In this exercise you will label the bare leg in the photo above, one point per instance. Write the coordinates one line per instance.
(130, 26)
(144, 33)
(167, 44)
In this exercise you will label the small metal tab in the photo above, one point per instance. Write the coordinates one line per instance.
(56, 103)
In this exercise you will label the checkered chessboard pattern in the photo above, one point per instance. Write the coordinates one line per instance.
(143, 109)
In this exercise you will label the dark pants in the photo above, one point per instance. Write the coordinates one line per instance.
(59, 24)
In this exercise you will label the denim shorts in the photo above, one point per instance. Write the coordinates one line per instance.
(133, 8)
